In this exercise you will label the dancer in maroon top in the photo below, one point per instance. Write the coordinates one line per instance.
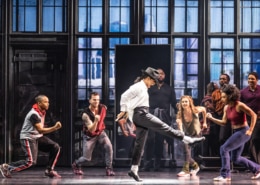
(235, 111)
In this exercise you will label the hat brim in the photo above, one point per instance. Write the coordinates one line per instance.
(155, 79)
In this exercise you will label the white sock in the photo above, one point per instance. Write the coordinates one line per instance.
(134, 168)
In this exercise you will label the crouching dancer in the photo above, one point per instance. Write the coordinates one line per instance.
(94, 131)
(135, 103)
(32, 140)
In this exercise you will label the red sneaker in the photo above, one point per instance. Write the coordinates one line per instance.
(77, 170)
(110, 172)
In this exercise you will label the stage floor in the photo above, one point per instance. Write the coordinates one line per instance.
(93, 175)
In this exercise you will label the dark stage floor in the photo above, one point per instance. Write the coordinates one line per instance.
(97, 176)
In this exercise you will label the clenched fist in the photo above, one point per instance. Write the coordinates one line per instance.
(209, 115)
(58, 125)
(97, 117)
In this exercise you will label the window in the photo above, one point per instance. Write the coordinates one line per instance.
(54, 17)
(112, 43)
(222, 16)
(221, 58)
(186, 57)
(156, 15)
(186, 16)
(89, 67)
(119, 16)
(90, 15)
(25, 15)
(250, 12)
(249, 58)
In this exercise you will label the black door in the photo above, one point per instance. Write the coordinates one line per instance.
(37, 72)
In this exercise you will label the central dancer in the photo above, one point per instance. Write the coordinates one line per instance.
(135, 104)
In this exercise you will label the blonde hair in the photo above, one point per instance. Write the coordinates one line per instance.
(192, 106)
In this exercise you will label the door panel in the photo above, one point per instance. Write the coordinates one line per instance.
(36, 72)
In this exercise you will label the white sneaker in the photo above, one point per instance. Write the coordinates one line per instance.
(195, 171)
(183, 174)
(256, 175)
(220, 178)
(192, 140)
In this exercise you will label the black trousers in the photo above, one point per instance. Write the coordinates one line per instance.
(144, 121)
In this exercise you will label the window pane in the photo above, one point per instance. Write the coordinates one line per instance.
(186, 16)
(162, 24)
(24, 15)
(48, 22)
(192, 69)
(60, 20)
(192, 22)
(119, 20)
(228, 21)
(192, 57)
(179, 23)
(149, 23)
(54, 16)
(249, 58)
(90, 16)
(250, 12)
(156, 40)
(30, 19)
(192, 43)
(221, 58)
(186, 66)
(222, 15)
(112, 43)
(89, 67)
(156, 16)
(216, 22)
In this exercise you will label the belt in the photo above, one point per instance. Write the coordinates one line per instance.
(146, 109)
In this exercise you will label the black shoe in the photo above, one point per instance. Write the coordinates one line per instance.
(135, 176)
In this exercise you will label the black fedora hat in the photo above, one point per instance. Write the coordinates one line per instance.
(152, 73)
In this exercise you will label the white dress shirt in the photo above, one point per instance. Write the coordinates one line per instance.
(136, 96)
